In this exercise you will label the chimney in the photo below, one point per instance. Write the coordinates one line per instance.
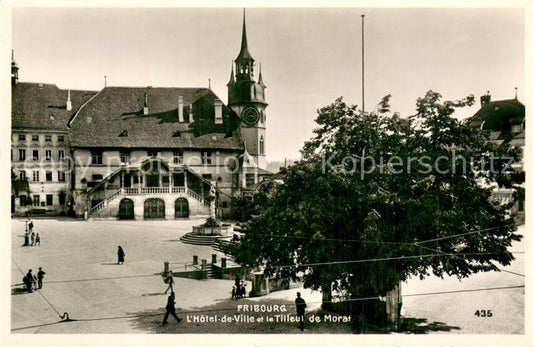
(485, 99)
(145, 108)
(180, 109)
(69, 104)
(218, 111)
(191, 119)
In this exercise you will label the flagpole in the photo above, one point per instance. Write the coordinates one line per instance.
(363, 59)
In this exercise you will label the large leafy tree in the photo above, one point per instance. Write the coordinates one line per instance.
(378, 198)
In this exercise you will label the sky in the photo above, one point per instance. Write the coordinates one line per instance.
(309, 56)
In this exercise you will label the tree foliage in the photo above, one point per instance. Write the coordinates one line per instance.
(336, 220)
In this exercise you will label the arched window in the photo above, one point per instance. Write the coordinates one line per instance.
(261, 145)
(126, 209)
(154, 208)
(181, 208)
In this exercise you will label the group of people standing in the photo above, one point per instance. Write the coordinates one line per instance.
(239, 290)
(30, 235)
(32, 281)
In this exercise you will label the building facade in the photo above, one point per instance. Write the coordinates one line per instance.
(504, 121)
(139, 152)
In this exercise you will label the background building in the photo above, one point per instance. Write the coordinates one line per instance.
(139, 152)
(505, 121)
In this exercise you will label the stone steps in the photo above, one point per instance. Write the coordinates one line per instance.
(201, 240)
(210, 272)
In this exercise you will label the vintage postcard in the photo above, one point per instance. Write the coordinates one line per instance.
(256, 174)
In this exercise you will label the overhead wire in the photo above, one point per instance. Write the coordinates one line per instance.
(354, 240)
(287, 304)
(502, 270)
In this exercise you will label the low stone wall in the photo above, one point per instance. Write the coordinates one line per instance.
(229, 273)
(193, 274)
(224, 230)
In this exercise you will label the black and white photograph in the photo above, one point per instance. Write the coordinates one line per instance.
(256, 174)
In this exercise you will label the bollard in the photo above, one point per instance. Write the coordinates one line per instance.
(223, 262)
(204, 264)
(213, 258)
(165, 270)
(194, 260)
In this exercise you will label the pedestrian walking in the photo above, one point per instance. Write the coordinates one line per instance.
(171, 309)
(170, 280)
(121, 255)
(28, 281)
(26, 238)
(32, 238)
(40, 276)
(300, 310)
(37, 239)
(30, 225)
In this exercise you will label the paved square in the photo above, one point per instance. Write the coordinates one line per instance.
(83, 279)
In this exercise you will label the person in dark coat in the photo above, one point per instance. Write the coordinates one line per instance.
(300, 310)
(37, 239)
(237, 286)
(32, 238)
(171, 309)
(28, 281)
(40, 276)
(120, 254)
(27, 239)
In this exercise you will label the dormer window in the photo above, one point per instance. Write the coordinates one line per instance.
(207, 157)
(125, 157)
(123, 134)
(176, 134)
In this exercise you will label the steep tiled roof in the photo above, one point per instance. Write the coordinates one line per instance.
(114, 118)
(498, 116)
(43, 106)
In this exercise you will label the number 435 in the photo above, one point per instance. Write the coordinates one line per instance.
(483, 313)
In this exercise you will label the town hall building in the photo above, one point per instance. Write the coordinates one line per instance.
(138, 152)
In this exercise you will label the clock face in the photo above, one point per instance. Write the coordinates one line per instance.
(250, 116)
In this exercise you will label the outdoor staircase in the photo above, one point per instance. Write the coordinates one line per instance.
(145, 191)
(211, 274)
(200, 240)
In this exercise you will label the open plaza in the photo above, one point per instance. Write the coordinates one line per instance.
(84, 280)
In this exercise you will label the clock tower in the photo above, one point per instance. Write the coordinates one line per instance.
(246, 98)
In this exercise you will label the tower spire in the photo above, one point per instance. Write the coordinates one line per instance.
(244, 40)
(14, 69)
(244, 53)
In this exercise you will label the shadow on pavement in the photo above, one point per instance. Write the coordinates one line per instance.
(110, 264)
(18, 291)
(421, 326)
(153, 294)
(210, 320)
